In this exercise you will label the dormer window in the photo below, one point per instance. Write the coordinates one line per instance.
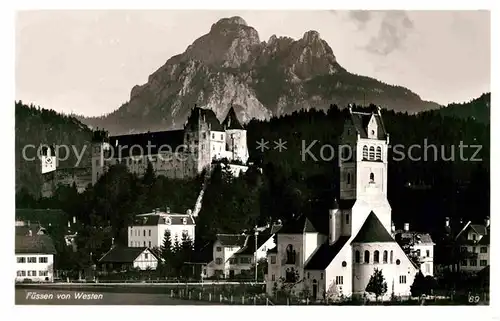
(184, 221)
(168, 220)
(372, 178)
(373, 132)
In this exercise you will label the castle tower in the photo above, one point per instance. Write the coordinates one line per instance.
(48, 159)
(100, 150)
(236, 137)
(363, 165)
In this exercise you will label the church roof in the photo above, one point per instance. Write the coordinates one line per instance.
(372, 231)
(306, 224)
(231, 121)
(360, 121)
(325, 254)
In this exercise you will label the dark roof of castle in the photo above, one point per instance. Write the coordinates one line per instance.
(232, 239)
(360, 121)
(121, 254)
(35, 244)
(231, 121)
(306, 224)
(325, 254)
(372, 231)
(156, 219)
(170, 140)
(207, 115)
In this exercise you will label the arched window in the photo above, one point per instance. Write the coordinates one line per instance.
(365, 152)
(290, 254)
(372, 178)
(391, 256)
(367, 256)
(357, 256)
(379, 153)
(371, 155)
(348, 178)
(384, 258)
(376, 257)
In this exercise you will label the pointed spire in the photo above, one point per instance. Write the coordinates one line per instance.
(231, 121)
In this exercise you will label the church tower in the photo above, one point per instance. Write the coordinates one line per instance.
(363, 165)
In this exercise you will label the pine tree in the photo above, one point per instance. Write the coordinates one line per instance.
(377, 284)
(149, 175)
(167, 254)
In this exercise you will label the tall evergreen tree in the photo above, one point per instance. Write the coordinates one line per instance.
(377, 284)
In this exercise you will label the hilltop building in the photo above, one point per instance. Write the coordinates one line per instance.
(335, 255)
(181, 154)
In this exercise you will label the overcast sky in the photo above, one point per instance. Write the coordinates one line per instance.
(88, 61)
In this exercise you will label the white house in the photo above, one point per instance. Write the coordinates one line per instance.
(148, 230)
(474, 242)
(125, 258)
(335, 255)
(235, 254)
(419, 247)
(34, 257)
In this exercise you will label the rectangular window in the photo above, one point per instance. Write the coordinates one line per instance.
(218, 260)
(308, 275)
(204, 135)
(428, 253)
(245, 260)
(483, 262)
(43, 259)
(484, 249)
(339, 280)
(273, 259)
(402, 279)
(131, 232)
(427, 268)
(218, 249)
(347, 218)
(463, 263)
(213, 136)
(321, 275)
(149, 232)
(272, 277)
(43, 273)
(473, 262)
(144, 233)
(474, 249)
(149, 244)
(32, 259)
(21, 259)
(31, 273)
(232, 261)
(20, 273)
(418, 252)
(146, 256)
(474, 236)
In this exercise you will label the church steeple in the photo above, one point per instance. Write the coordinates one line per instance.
(231, 121)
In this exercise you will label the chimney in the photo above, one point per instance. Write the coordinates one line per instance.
(487, 221)
(168, 210)
(69, 224)
(393, 228)
(30, 233)
(74, 219)
(407, 227)
(447, 222)
(189, 212)
(112, 242)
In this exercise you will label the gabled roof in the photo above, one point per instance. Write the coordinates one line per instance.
(231, 121)
(479, 229)
(156, 219)
(122, 145)
(325, 254)
(232, 239)
(201, 115)
(360, 121)
(316, 223)
(372, 231)
(249, 247)
(36, 244)
(121, 254)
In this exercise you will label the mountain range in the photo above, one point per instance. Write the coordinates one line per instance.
(231, 66)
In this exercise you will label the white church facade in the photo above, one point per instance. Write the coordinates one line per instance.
(335, 255)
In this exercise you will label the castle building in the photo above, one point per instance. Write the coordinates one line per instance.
(335, 255)
(177, 153)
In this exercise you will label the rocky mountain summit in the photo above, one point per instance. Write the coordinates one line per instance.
(231, 66)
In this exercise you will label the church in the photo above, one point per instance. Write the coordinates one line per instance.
(333, 256)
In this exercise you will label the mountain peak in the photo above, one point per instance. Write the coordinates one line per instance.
(232, 21)
(311, 36)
